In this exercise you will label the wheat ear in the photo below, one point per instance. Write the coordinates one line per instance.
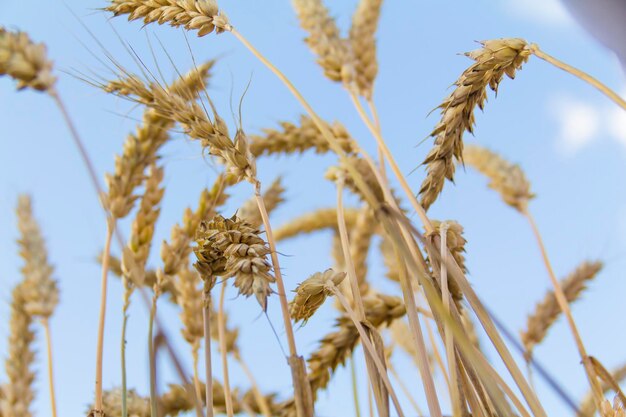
(547, 311)
(495, 59)
(40, 290)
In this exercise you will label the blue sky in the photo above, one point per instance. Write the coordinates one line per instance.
(570, 140)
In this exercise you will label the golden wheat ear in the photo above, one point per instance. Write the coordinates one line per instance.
(495, 59)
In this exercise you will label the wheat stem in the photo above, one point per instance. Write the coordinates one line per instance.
(534, 48)
(152, 359)
(405, 390)
(53, 404)
(392, 162)
(208, 371)
(355, 387)
(196, 376)
(221, 331)
(418, 339)
(564, 305)
(304, 398)
(123, 363)
(381, 154)
(79, 144)
(449, 341)
(367, 345)
(98, 411)
(354, 286)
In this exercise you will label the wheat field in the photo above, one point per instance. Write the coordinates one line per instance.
(307, 209)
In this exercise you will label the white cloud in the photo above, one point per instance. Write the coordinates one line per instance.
(579, 124)
(542, 11)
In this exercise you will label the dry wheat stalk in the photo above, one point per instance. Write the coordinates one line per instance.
(390, 259)
(320, 219)
(294, 138)
(495, 59)
(363, 45)
(273, 197)
(25, 61)
(547, 311)
(233, 248)
(18, 393)
(312, 292)
(324, 39)
(141, 148)
(39, 291)
(507, 179)
(203, 16)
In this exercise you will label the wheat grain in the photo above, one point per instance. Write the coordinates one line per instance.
(40, 291)
(320, 219)
(190, 301)
(134, 259)
(294, 138)
(312, 292)
(233, 248)
(141, 148)
(363, 45)
(547, 311)
(507, 179)
(203, 16)
(25, 61)
(324, 39)
(18, 393)
(212, 134)
(495, 59)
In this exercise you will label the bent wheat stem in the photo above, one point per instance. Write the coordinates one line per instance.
(53, 404)
(534, 48)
